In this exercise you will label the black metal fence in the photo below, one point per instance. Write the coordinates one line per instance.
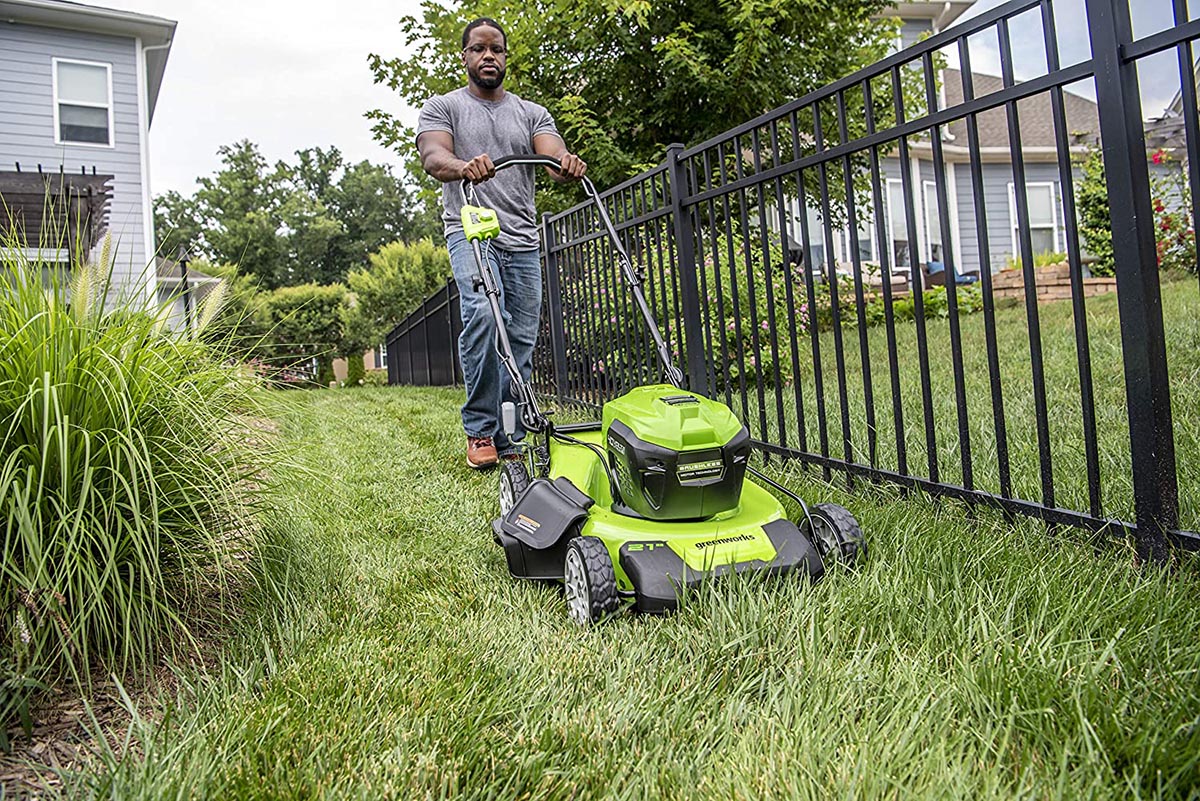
(790, 261)
(423, 349)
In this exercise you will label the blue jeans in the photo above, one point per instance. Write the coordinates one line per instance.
(519, 276)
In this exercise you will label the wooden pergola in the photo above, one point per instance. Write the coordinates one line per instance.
(54, 210)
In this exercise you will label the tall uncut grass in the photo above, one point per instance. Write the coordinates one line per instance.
(129, 471)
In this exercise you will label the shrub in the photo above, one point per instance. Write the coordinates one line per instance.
(1095, 225)
(401, 275)
(356, 371)
(1043, 259)
(305, 322)
(376, 378)
(127, 476)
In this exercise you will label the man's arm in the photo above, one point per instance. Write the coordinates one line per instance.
(573, 167)
(438, 159)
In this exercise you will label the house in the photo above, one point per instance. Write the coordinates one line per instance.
(78, 89)
(1038, 150)
(181, 291)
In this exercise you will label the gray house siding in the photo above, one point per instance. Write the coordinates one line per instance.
(996, 178)
(913, 30)
(27, 128)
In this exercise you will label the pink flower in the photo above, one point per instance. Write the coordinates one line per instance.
(1157, 158)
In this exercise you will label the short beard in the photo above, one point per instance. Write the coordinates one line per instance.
(487, 83)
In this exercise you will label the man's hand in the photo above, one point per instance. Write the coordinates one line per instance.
(479, 169)
(573, 167)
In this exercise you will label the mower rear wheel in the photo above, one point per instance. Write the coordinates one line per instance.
(836, 534)
(514, 480)
(590, 583)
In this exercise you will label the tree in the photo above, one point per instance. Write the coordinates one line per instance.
(290, 224)
(401, 275)
(623, 80)
(372, 205)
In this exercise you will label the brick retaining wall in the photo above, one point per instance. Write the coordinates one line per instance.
(1053, 283)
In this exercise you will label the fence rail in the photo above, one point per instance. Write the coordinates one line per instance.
(768, 252)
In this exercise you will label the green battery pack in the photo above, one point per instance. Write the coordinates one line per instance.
(480, 222)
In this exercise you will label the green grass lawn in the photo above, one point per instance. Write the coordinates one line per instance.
(1181, 310)
(969, 658)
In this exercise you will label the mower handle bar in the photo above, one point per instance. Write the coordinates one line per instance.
(671, 372)
(531, 160)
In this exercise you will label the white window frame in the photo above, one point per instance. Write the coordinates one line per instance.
(1013, 222)
(58, 140)
(891, 230)
(929, 228)
(871, 254)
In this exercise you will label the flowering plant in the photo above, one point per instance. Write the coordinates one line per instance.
(1174, 228)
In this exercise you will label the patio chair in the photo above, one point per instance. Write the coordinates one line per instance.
(933, 273)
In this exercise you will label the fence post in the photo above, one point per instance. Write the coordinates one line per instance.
(558, 336)
(689, 286)
(1143, 342)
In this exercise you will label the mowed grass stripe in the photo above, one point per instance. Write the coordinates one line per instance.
(969, 658)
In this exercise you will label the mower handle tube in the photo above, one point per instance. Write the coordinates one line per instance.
(671, 373)
(531, 415)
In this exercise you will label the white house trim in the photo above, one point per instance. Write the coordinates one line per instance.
(144, 154)
(58, 140)
(955, 223)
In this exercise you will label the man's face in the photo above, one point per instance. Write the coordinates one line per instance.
(484, 57)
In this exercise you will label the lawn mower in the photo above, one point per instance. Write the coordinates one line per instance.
(652, 500)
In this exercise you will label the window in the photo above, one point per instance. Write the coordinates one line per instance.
(866, 238)
(1043, 218)
(82, 103)
(897, 225)
(816, 241)
(933, 223)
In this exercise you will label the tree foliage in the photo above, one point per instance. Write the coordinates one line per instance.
(287, 224)
(624, 80)
(399, 277)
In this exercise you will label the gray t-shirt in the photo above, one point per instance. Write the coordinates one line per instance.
(504, 127)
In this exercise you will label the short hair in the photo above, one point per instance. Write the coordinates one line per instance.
(478, 23)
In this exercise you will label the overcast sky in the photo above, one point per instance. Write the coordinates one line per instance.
(293, 74)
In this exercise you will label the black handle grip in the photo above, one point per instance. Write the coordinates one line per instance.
(533, 160)
(536, 160)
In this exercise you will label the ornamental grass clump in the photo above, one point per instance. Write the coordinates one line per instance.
(130, 470)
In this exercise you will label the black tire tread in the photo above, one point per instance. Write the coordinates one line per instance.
(601, 578)
(852, 541)
(518, 476)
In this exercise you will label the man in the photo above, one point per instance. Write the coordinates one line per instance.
(457, 136)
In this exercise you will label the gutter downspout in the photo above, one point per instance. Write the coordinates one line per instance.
(946, 9)
(149, 238)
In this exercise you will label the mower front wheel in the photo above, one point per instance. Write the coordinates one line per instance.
(590, 583)
(514, 480)
(836, 534)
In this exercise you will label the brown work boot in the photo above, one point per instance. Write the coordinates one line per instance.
(481, 453)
